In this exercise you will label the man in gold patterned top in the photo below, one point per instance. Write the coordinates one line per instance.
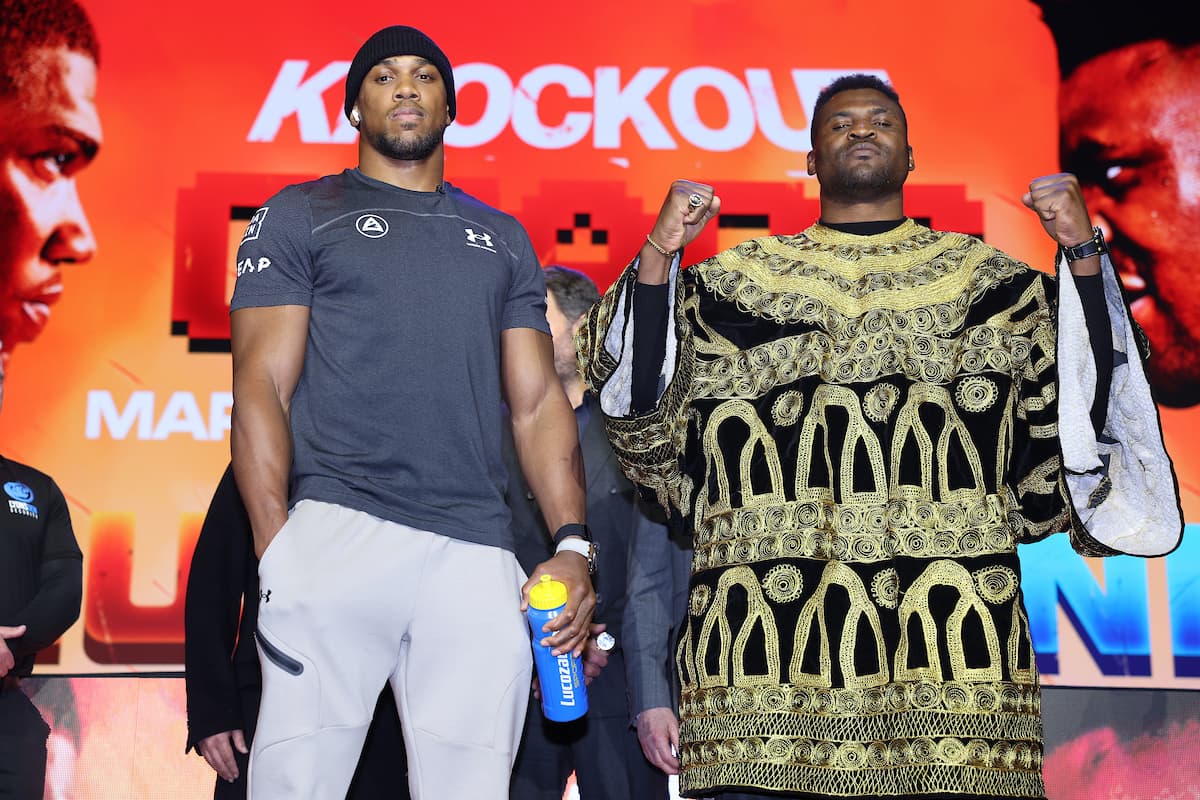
(859, 423)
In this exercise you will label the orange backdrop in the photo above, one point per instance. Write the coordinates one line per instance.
(574, 117)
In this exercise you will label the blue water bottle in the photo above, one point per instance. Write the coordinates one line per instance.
(564, 695)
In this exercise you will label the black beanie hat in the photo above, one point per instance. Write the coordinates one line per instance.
(398, 40)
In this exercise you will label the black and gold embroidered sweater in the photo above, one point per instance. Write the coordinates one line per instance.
(858, 430)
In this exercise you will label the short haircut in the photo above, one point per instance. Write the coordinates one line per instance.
(857, 80)
(573, 291)
(27, 25)
(1086, 29)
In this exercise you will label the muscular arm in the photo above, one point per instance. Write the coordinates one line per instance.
(268, 356)
(547, 444)
(543, 426)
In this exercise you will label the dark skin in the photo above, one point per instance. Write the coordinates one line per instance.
(51, 133)
(403, 97)
(401, 112)
(861, 158)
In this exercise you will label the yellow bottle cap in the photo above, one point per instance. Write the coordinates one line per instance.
(547, 593)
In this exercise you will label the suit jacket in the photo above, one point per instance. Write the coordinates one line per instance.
(659, 569)
(220, 658)
(613, 517)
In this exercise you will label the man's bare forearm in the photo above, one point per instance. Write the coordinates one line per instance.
(548, 450)
(268, 357)
(261, 445)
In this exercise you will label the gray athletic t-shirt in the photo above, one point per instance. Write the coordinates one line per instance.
(397, 411)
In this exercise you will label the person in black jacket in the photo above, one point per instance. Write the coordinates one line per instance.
(223, 678)
(41, 587)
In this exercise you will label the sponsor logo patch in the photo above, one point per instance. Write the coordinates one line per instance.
(371, 226)
(481, 240)
(254, 226)
(18, 491)
(250, 265)
(24, 509)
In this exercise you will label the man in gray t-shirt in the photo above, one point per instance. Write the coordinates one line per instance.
(380, 316)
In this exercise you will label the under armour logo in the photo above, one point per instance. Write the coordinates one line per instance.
(371, 226)
(481, 240)
(265, 596)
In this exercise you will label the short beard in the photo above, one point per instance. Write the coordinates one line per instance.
(406, 149)
(858, 184)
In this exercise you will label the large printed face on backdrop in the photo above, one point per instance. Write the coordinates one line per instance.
(403, 108)
(1130, 129)
(49, 131)
(860, 146)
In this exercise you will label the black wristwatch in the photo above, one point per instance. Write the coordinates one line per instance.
(1092, 247)
(572, 529)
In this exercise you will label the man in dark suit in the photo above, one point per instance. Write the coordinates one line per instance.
(601, 748)
(659, 568)
(222, 674)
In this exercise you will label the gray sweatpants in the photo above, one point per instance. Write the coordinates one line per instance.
(349, 601)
